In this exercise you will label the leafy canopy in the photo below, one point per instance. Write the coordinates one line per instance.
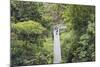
(28, 27)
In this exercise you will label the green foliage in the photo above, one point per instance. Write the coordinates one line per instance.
(21, 11)
(28, 27)
(31, 32)
(80, 20)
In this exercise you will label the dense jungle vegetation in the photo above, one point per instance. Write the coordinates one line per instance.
(32, 37)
